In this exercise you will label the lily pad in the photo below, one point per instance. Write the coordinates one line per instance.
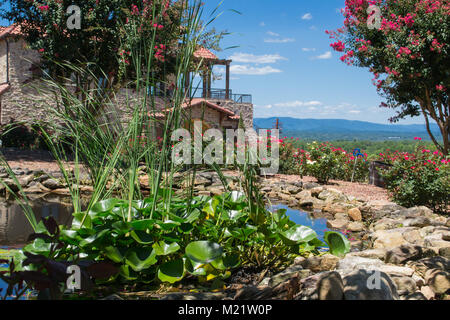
(162, 249)
(338, 243)
(171, 271)
(298, 234)
(203, 251)
(140, 259)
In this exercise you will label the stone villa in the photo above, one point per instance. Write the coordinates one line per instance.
(19, 66)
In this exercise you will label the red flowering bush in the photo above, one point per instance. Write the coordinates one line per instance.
(419, 178)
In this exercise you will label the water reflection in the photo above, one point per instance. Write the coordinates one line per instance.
(304, 219)
(14, 226)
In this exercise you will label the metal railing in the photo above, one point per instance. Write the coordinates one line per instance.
(221, 94)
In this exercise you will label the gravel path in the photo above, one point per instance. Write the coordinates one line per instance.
(359, 190)
(43, 160)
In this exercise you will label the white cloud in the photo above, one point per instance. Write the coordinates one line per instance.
(253, 71)
(298, 103)
(251, 58)
(283, 40)
(273, 34)
(307, 16)
(355, 111)
(308, 49)
(314, 28)
(262, 24)
(326, 55)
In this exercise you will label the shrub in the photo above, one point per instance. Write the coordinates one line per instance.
(323, 162)
(419, 178)
(22, 136)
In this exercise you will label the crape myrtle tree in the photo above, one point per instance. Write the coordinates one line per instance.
(406, 45)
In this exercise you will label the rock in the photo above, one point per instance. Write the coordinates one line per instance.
(387, 224)
(423, 265)
(292, 189)
(388, 239)
(351, 263)
(355, 214)
(26, 180)
(332, 195)
(438, 280)
(331, 287)
(413, 237)
(427, 292)
(406, 252)
(417, 222)
(195, 296)
(355, 226)
(291, 272)
(339, 224)
(397, 270)
(445, 252)
(310, 185)
(299, 260)
(404, 285)
(37, 187)
(370, 253)
(418, 280)
(316, 191)
(52, 184)
(326, 262)
(321, 286)
(415, 296)
(11, 184)
(369, 285)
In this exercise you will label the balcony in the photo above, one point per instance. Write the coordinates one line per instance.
(222, 94)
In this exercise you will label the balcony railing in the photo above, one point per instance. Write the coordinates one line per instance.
(222, 94)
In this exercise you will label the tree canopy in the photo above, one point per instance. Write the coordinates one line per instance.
(405, 44)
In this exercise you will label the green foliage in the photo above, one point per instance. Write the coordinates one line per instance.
(170, 245)
(420, 178)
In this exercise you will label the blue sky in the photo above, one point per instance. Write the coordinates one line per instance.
(284, 59)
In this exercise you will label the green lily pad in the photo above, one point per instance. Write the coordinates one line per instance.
(115, 254)
(163, 249)
(171, 271)
(203, 251)
(298, 234)
(338, 243)
(140, 259)
(142, 237)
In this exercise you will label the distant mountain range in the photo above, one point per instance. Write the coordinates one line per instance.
(338, 129)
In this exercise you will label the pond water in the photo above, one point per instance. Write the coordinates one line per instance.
(304, 219)
(15, 229)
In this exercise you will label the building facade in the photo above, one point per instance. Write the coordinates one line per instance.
(21, 97)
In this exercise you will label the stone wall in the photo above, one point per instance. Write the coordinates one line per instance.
(24, 101)
(244, 110)
(3, 62)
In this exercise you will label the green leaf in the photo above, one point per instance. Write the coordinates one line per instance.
(114, 254)
(227, 262)
(338, 243)
(127, 273)
(203, 251)
(143, 224)
(78, 218)
(39, 246)
(195, 268)
(211, 207)
(103, 206)
(298, 234)
(122, 227)
(162, 249)
(142, 237)
(140, 259)
(171, 271)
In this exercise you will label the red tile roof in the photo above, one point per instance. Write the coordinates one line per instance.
(203, 53)
(198, 101)
(3, 88)
(13, 29)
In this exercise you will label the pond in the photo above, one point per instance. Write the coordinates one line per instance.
(15, 229)
(304, 219)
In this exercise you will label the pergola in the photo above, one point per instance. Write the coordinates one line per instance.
(209, 60)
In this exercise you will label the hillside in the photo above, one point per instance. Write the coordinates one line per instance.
(338, 129)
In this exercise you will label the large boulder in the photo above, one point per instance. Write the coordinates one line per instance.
(321, 286)
(364, 284)
(406, 252)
